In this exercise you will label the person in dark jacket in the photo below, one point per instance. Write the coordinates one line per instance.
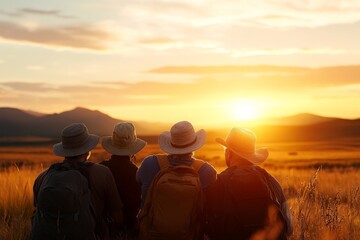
(246, 202)
(123, 145)
(75, 146)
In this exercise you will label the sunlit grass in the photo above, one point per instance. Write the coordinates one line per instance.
(324, 204)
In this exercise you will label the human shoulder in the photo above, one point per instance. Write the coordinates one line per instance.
(207, 174)
(99, 168)
(149, 161)
(40, 178)
(148, 169)
(104, 163)
(207, 167)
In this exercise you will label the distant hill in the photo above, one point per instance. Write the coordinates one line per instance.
(18, 123)
(328, 130)
(298, 120)
(15, 123)
(38, 114)
(301, 127)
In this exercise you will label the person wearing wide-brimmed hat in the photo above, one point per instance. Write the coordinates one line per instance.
(169, 192)
(123, 145)
(75, 147)
(246, 186)
(179, 143)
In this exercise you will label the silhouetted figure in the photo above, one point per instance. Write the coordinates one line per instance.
(123, 145)
(172, 186)
(246, 202)
(75, 199)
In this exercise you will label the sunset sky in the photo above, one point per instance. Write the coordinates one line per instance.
(207, 61)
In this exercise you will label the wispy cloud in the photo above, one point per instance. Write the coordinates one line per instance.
(10, 14)
(158, 40)
(277, 52)
(34, 11)
(79, 36)
(272, 77)
(54, 13)
(235, 81)
(27, 87)
(205, 70)
(279, 13)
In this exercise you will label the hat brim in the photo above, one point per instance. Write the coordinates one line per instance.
(90, 144)
(258, 157)
(132, 149)
(165, 143)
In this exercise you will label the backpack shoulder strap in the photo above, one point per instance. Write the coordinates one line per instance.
(163, 161)
(197, 164)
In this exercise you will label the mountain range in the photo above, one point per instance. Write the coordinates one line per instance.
(20, 123)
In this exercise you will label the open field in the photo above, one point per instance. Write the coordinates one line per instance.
(325, 203)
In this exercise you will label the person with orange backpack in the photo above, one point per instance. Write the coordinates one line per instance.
(173, 186)
(246, 202)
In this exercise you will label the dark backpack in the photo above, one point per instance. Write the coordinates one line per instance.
(173, 205)
(64, 208)
(240, 204)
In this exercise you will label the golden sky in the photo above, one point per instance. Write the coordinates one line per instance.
(204, 61)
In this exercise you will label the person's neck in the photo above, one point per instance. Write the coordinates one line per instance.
(240, 163)
(77, 159)
(122, 157)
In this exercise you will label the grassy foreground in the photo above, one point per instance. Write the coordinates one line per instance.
(325, 203)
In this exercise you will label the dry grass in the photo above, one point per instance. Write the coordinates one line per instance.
(16, 202)
(325, 203)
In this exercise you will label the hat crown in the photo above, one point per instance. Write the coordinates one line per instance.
(182, 134)
(124, 134)
(74, 135)
(241, 140)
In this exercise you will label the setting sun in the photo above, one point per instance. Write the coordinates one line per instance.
(244, 110)
(245, 113)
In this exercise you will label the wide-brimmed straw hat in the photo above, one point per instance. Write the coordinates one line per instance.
(124, 141)
(182, 139)
(242, 141)
(75, 141)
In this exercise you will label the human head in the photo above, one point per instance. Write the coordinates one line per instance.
(75, 141)
(182, 139)
(240, 146)
(124, 141)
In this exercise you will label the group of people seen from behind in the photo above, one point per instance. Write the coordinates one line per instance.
(171, 196)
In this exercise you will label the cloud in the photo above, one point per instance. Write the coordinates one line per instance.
(32, 11)
(159, 40)
(208, 83)
(54, 13)
(277, 52)
(10, 14)
(27, 87)
(78, 37)
(275, 14)
(272, 76)
(206, 70)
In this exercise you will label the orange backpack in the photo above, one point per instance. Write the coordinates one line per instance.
(173, 206)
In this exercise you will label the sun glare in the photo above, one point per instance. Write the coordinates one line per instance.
(244, 110)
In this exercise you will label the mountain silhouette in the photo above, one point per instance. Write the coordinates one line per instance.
(300, 119)
(302, 127)
(18, 123)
